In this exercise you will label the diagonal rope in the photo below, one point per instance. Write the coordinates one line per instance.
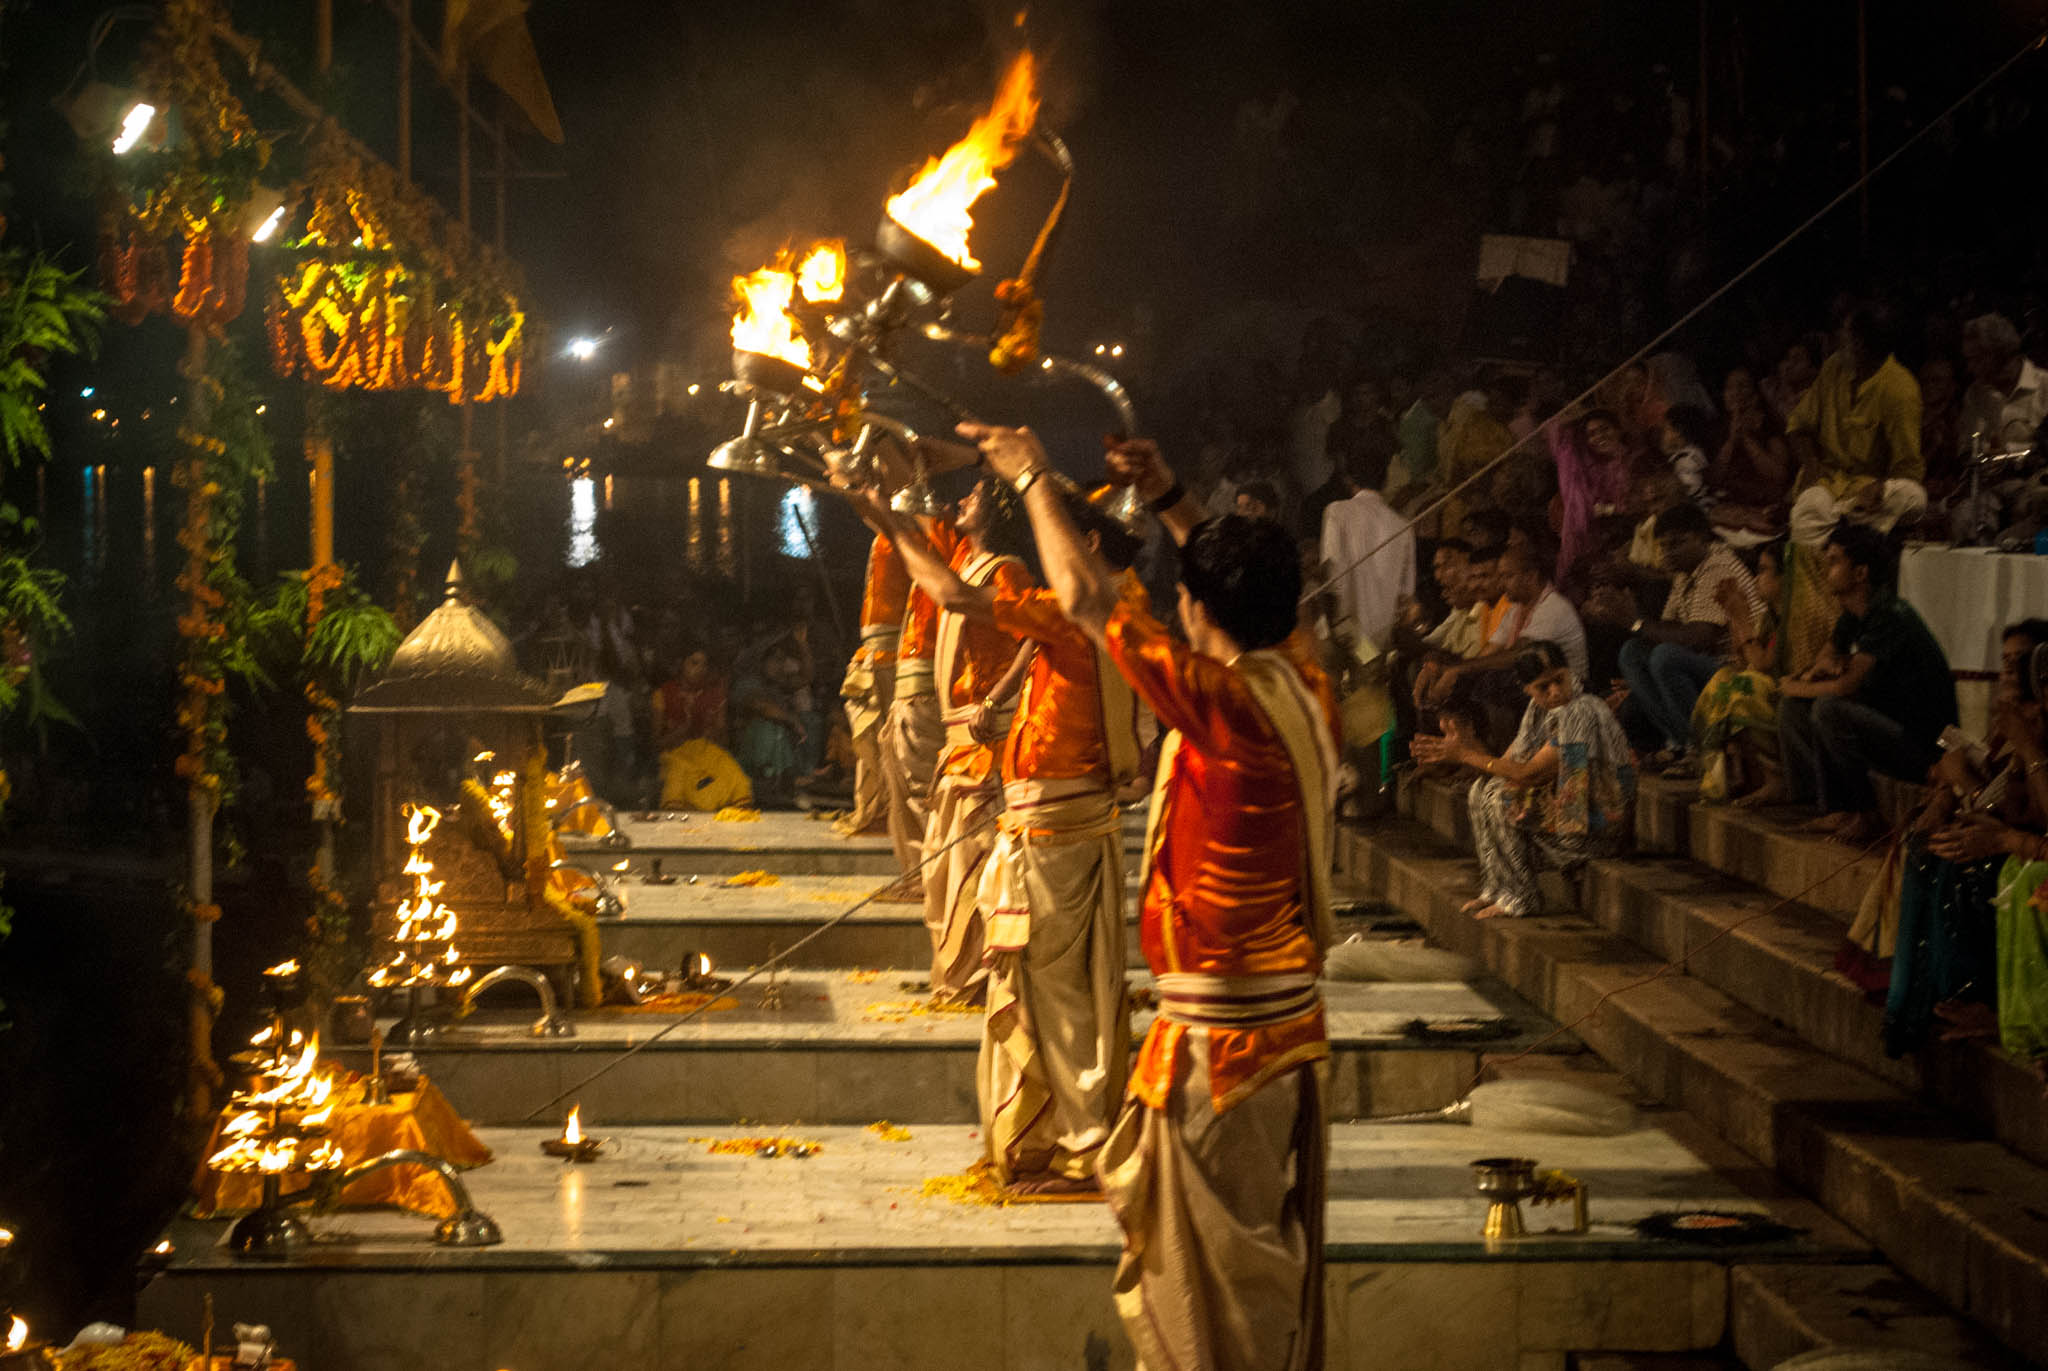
(755, 973)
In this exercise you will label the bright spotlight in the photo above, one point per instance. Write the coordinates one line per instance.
(134, 124)
(583, 349)
(87, 393)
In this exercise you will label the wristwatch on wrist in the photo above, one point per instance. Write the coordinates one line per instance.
(1028, 476)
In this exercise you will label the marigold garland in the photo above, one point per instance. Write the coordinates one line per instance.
(386, 294)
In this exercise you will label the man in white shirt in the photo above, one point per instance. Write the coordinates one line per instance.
(2008, 395)
(1537, 612)
(1369, 584)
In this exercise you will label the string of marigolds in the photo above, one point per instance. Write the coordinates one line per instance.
(327, 923)
(382, 295)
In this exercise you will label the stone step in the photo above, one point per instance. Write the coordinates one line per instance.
(664, 1254)
(853, 1047)
(1777, 958)
(1965, 1217)
(1762, 848)
(739, 927)
(1780, 1311)
(785, 842)
(1781, 962)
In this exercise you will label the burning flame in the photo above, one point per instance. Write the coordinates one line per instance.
(572, 1131)
(501, 801)
(764, 324)
(936, 205)
(290, 968)
(425, 936)
(17, 1334)
(822, 274)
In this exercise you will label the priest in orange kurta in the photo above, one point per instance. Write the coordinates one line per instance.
(870, 683)
(978, 668)
(1214, 1169)
(911, 732)
(1056, 1041)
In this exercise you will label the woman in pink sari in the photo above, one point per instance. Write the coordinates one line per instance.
(1596, 474)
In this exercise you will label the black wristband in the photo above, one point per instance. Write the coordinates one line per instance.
(1175, 493)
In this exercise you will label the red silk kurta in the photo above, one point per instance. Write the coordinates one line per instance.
(1225, 895)
(985, 653)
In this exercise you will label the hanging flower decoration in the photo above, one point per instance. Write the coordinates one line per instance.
(198, 190)
(384, 293)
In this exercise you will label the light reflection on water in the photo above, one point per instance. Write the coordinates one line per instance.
(583, 547)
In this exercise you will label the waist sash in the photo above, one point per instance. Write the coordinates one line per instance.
(1208, 1001)
(914, 677)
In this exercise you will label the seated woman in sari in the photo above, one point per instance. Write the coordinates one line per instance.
(1735, 720)
(1952, 866)
(777, 738)
(2005, 948)
(1563, 792)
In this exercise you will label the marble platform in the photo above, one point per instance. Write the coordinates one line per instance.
(745, 926)
(786, 842)
(850, 1047)
(663, 1254)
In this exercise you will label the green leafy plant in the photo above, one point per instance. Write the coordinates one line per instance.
(44, 312)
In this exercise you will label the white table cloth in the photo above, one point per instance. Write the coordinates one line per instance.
(1968, 594)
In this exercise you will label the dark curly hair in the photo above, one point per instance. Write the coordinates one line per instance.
(1246, 573)
(1008, 533)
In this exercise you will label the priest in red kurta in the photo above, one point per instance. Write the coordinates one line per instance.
(1215, 1167)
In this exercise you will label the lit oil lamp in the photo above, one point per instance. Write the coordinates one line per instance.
(924, 230)
(573, 1145)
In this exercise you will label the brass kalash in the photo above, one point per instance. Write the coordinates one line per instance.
(816, 332)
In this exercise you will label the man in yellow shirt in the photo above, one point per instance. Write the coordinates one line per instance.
(1857, 435)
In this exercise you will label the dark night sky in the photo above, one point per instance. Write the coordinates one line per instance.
(702, 135)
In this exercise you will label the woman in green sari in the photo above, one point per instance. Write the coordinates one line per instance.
(2019, 898)
(1735, 721)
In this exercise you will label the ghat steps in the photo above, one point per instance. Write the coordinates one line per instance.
(1935, 1162)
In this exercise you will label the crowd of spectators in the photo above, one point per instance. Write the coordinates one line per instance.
(763, 694)
(1680, 581)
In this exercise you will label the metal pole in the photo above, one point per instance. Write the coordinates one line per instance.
(405, 91)
(465, 456)
(200, 801)
(320, 461)
(498, 409)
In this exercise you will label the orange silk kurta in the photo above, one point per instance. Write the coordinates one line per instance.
(882, 600)
(1225, 895)
(1057, 734)
(920, 615)
(985, 653)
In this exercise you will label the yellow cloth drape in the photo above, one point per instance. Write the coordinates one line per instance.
(701, 775)
(422, 1120)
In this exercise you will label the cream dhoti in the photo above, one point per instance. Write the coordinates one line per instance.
(1056, 1046)
(1221, 1202)
(960, 832)
(909, 743)
(868, 690)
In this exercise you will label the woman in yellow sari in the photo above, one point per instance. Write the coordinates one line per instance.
(1735, 721)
